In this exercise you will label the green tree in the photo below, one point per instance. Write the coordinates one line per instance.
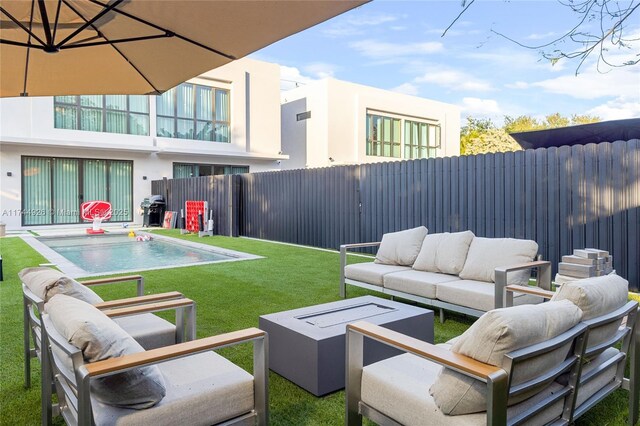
(481, 136)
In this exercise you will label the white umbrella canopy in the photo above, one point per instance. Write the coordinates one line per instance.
(75, 47)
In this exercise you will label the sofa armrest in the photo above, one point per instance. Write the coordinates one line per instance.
(495, 377)
(543, 279)
(139, 280)
(343, 262)
(535, 291)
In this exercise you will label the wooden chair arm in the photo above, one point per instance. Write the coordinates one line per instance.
(166, 353)
(530, 290)
(426, 350)
(101, 281)
(149, 307)
(131, 301)
(503, 298)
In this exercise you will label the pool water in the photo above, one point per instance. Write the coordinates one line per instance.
(112, 253)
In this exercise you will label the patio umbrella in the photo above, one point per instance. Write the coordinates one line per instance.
(73, 47)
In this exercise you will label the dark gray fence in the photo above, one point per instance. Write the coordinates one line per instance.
(221, 192)
(563, 198)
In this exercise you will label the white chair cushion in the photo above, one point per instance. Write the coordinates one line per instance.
(149, 330)
(445, 253)
(46, 282)
(401, 248)
(478, 295)
(202, 389)
(486, 254)
(415, 282)
(99, 338)
(398, 387)
(495, 334)
(596, 297)
(370, 272)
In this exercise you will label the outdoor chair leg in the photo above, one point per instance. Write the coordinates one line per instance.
(27, 344)
(441, 316)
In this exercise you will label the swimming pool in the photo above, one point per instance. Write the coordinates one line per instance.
(86, 255)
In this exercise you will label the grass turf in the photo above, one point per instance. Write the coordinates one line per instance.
(229, 296)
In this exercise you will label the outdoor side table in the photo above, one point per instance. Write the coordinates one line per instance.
(307, 345)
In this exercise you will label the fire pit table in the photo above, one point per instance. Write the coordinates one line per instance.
(307, 345)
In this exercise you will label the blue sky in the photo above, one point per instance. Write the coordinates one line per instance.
(397, 45)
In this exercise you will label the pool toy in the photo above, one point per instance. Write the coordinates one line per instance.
(132, 234)
(144, 238)
(95, 211)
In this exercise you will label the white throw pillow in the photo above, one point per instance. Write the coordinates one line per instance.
(426, 259)
(46, 282)
(444, 253)
(100, 338)
(495, 334)
(401, 248)
(486, 254)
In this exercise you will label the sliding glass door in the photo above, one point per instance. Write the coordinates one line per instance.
(54, 188)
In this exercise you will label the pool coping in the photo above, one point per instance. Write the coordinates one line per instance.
(74, 271)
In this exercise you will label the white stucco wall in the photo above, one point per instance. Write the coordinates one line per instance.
(337, 128)
(27, 128)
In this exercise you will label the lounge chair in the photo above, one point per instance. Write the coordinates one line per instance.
(186, 383)
(512, 380)
(135, 315)
(612, 337)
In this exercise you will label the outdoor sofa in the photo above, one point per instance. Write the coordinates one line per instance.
(528, 365)
(454, 271)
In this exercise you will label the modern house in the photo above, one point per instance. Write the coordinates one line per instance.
(333, 122)
(60, 151)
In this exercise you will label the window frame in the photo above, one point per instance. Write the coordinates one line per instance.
(77, 105)
(213, 167)
(404, 141)
(194, 119)
(80, 183)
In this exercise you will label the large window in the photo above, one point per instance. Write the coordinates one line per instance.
(191, 111)
(383, 136)
(186, 170)
(54, 188)
(127, 114)
(387, 134)
(420, 139)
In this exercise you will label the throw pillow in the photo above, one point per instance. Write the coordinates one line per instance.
(401, 248)
(486, 254)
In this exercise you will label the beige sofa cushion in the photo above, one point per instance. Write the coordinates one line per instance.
(445, 253)
(370, 272)
(495, 334)
(91, 331)
(202, 389)
(398, 387)
(418, 283)
(486, 254)
(597, 296)
(46, 282)
(401, 248)
(478, 295)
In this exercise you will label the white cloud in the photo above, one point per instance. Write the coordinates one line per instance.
(536, 36)
(517, 85)
(617, 109)
(480, 107)
(385, 50)
(455, 80)
(291, 77)
(594, 85)
(321, 69)
(406, 88)
(356, 24)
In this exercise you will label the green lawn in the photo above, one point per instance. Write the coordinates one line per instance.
(229, 296)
